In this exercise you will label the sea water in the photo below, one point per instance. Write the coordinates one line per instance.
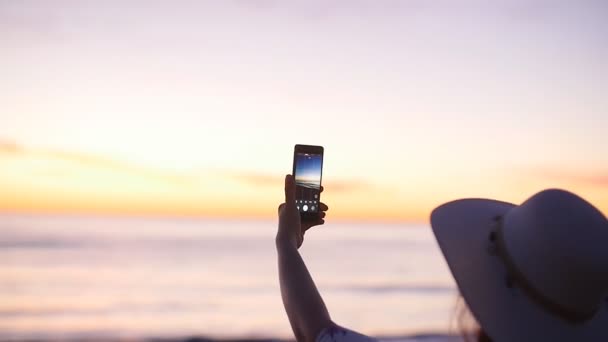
(102, 277)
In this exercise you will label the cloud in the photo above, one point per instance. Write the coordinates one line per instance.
(347, 186)
(254, 178)
(98, 162)
(591, 178)
(101, 162)
(274, 180)
(7, 146)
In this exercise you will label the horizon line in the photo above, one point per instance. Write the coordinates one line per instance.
(162, 216)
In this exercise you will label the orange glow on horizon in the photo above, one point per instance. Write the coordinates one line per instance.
(43, 181)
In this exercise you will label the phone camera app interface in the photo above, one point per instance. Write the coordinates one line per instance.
(308, 181)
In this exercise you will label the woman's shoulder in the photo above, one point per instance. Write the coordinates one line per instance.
(336, 333)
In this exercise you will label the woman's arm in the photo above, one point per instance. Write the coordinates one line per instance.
(303, 303)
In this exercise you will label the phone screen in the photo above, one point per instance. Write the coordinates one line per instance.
(307, 173)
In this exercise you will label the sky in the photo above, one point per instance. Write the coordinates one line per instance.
(192, 108)
(308, 168)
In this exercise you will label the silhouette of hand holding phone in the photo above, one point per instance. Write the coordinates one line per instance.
(291, 228)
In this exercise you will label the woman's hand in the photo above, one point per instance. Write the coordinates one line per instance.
(291, 229)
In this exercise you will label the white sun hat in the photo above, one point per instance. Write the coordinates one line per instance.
(533, 272)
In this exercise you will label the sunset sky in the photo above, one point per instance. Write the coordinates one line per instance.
(192, 108)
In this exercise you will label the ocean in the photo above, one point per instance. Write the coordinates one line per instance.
(71, 277)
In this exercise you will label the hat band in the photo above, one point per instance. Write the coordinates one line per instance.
(520, 279)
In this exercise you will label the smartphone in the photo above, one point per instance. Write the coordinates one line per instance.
(307, 171)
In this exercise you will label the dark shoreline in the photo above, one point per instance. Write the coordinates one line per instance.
(430, 337)
(413, 338)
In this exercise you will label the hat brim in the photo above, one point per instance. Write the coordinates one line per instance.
(462, 230)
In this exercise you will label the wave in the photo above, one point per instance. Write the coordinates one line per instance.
(309, 185)
(38, 244)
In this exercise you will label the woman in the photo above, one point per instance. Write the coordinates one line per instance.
(533, 272)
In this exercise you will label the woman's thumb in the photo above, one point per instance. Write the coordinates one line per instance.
(290, 190)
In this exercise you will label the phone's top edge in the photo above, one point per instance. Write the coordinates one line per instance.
(318, 147)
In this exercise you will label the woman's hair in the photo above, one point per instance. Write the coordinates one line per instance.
(467, 325)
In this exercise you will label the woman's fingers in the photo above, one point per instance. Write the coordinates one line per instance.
(316, 222)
